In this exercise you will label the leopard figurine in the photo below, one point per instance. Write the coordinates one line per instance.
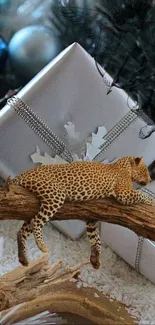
(79, 181)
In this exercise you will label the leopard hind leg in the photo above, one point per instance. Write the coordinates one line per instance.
(95, 243)
(49, 206)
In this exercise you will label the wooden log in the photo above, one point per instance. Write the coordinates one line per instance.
(18, 203)
(42, 287)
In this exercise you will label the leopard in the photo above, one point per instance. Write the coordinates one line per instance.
(55, 184)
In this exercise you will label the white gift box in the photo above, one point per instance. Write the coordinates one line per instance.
(67, 89)
(70, 88)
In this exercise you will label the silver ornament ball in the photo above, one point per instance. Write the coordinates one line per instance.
(31, 48)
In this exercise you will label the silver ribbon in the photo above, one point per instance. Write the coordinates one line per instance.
(139, 253)
(141, 239)
(116, 131)
(40, 128)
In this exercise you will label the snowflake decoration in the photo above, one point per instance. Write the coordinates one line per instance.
(89, 147)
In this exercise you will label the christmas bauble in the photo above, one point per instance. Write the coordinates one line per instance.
(3, 52)
(4, 6)
(31, 48)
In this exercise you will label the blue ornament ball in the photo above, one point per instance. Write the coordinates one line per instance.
(31, 48)
(3, 52)
(4, 6)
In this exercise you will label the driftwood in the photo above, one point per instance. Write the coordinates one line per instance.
(42, 287)
(18, 203)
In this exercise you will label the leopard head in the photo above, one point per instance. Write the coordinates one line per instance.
(139, 171)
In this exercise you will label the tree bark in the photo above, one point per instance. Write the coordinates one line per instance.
(42, 287)
(18, 203)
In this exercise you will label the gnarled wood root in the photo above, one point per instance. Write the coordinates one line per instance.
(42, 287)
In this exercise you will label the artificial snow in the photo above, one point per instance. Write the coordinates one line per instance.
(1, 246)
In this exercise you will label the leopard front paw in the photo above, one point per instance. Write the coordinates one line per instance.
(95, 262)
(42, 247)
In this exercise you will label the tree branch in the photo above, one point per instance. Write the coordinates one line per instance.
(18, 203)
(43, 287)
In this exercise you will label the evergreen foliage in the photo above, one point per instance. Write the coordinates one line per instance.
(120, 34)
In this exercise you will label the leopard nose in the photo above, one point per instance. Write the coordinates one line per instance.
(142, 183)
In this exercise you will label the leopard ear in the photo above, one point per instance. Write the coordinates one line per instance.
(138, 160)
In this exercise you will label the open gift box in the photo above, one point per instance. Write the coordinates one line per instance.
(70, 88)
